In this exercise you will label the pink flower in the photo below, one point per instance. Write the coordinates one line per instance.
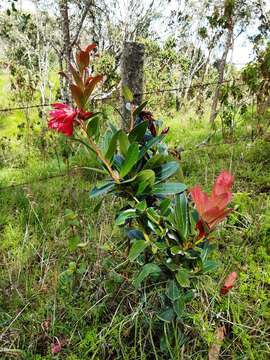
(228, 283)
(212, 210)
(64, 117)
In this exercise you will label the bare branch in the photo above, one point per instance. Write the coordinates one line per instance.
(88, 5)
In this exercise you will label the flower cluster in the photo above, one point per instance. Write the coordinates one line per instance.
(64, 117)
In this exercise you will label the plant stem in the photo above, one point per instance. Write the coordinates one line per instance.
(131, 118)
(114, 175)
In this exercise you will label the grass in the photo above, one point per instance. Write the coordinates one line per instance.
(63, 272)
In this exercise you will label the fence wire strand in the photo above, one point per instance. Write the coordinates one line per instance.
(74, 170)
(118, 97)
(115, 97)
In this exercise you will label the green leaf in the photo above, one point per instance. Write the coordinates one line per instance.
(145, 179)
(151, 143)
(168, 188)
(173, 292)
(155, 161)
(142, 206)
(164, 206)
(127, 93)
(112, 127)
(205, 251)
(139, 109)
(137, 133)
(125, 215)
(166, 170)
(188, 296)
(195, 217)
(176, 250)
(172, 266)
(74, 223)
(73, 242)
(161, 246)
(181, 215)
(112, 146)
(136, 249)
(104, 189)
(135, 234)
(123, 142)
(182, 277)
(153, 215)
(98, 206)
(179, 307)
(210, 265)
(130, 180)
(147, 270)
(93, 126)
(166, 315)
(70, 215)
(106, 140)
(191, 255)
(130, 160)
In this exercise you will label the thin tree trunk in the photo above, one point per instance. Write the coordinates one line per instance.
(88, 5)
(222, 65)
(63, 7)
(61, 79)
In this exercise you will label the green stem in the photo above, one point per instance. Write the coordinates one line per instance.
(114, 175)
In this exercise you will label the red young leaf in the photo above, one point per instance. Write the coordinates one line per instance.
(90, 47)
(84, 115)
(83, 59)
(88, 80)
(91, 85)
(228, 283)
(213, 209)
(76, 77)
(77, 95)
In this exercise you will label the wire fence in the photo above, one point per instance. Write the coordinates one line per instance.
(69, 172)
(76, 170)
(103, 97)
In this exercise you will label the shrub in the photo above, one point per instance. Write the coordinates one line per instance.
(168, 237)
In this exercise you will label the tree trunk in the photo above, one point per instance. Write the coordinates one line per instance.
(61, 79)
(132, 75)
(63, 7)
(222, 65)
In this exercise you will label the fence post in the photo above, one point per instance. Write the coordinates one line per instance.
(132, 62)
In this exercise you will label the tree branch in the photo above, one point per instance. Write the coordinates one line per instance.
(80, 25)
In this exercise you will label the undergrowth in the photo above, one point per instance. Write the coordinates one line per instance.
(62, 273)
